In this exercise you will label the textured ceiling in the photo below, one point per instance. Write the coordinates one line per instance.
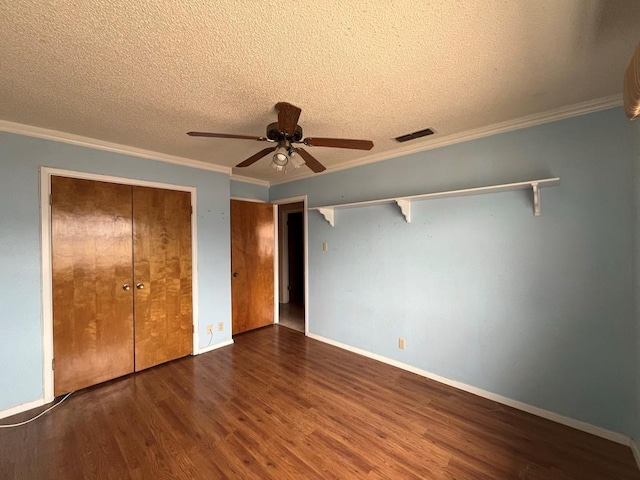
(142, 74)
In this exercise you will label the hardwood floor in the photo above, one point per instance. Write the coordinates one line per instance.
(291, 315)
(279, 405)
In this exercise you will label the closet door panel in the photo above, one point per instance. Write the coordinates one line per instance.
(91, 239)
(162, 276)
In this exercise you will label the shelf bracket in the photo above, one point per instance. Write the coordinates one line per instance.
(327, 213)
(405, 208)
(536, 199)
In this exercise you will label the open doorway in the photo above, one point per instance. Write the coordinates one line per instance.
(291, 266)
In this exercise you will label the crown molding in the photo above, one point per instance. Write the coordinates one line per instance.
(254, 181)
(55, 135)
(429, 144)
(502, 127)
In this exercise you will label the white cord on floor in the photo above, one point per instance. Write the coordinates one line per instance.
(37, 416)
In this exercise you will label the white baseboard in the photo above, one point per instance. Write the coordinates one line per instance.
(22, 408)
(215, 347)
(570, 422)
(636, 452)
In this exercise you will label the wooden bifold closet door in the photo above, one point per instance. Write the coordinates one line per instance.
(162, 262)
(121, 260)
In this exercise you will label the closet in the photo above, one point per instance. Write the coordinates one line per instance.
(121, 276)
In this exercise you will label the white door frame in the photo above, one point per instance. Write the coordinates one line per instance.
(284, 201)
(47, 281)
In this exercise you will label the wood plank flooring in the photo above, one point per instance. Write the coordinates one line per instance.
(277, 405)
(291, 315)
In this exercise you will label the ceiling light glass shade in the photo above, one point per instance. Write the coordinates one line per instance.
(277, 167)
(281, 157)
(296, 160)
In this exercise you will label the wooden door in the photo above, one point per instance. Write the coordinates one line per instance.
(252, 256)
(92, 282)
(162, 276)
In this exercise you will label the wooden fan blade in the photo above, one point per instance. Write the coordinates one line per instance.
(254, 158)
(338, 143)
(310, 160)
(288, 116)
(226, 135)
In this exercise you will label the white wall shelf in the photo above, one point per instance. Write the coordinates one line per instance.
(328, 212)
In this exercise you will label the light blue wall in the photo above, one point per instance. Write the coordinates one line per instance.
(249, 191)
(540, 310)
(20, 278)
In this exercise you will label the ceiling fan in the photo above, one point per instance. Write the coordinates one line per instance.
(286, 133)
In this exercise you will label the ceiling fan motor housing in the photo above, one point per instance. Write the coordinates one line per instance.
(274, 133)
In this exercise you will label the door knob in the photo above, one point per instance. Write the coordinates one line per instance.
(139, 286)
(235, 274)
(126, 287)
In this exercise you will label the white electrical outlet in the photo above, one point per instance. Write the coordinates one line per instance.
(401, 343)
(220, 326)
(325, 246)
(210, 329)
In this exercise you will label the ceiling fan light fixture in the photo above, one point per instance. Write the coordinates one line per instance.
(296, 160)
(280, 156)
(276, 167)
